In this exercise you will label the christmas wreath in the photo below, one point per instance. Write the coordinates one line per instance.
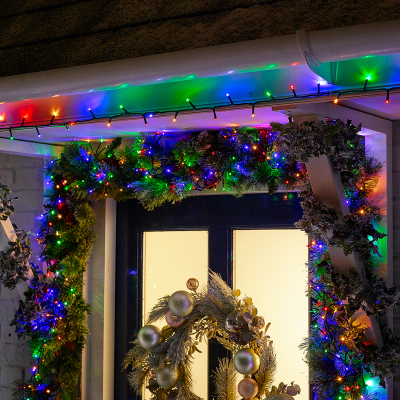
(161, 359)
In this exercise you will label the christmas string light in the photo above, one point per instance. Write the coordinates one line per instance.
(229, 97)
(366, 82)
(123, 109)
(262, 102)
(193, 106)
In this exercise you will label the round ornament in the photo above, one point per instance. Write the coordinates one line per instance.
(181, 303)
(246, 361)
(167, 377)
(248, 388)
(167, 332)
(149, 337)
(173, 321)
(153, 385)
(192, 284)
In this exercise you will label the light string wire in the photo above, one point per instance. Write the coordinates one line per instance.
(127, 115)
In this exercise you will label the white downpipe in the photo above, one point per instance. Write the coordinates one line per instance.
(336, 44)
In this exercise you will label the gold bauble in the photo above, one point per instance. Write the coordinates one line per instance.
(248, 388)
(181, 303)
(246, 361)
(192, 284)
(149, 337)
(153, 385)
(167, 332)
(167, 377)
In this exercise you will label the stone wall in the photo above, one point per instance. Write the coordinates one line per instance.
(38, 35)
(24, 176)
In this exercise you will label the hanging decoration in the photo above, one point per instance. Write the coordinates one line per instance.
(163, 362)
(342, 363)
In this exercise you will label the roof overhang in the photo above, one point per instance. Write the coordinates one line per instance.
(360, 64)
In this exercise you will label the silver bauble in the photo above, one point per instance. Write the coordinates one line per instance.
(181, 303)
(246, 361)
(149, 337)
(167, 377)
(248, 388)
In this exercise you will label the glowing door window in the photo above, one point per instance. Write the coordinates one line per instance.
(169, 260)
(269, 267)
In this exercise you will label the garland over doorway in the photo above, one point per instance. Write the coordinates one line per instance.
(343, 364)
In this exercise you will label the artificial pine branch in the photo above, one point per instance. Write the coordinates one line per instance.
(266, 371)
(225, 380)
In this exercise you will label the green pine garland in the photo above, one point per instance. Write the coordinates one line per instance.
(156, 171)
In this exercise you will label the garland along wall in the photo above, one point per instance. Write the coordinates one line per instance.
(343, 364)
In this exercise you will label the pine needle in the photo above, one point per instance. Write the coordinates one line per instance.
(218, 288)
(159, 310)
(225, 380)
(267, 369)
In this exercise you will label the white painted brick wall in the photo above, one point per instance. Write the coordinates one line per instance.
(24, 176)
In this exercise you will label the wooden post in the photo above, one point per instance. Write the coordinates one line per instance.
(328, 189)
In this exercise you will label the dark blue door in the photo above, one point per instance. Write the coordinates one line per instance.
(219, 215)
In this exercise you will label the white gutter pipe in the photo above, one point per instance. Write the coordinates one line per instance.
(382, 38)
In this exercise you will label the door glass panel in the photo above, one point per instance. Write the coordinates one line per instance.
(269, 267)
(169, 260)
